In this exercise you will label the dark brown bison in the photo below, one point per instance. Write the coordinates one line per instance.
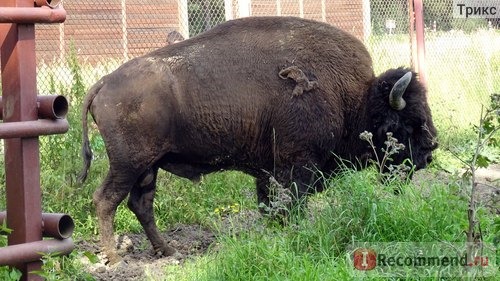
(277, 96)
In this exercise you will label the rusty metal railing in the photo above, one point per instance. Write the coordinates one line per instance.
(25, 117)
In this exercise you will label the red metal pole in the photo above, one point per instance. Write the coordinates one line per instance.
(29, 129)
(33, 251)
(59, 226)
(32, 15)
(419, 31)
(22, 162)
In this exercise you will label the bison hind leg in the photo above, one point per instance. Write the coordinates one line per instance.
(106, 199)
(140, 202)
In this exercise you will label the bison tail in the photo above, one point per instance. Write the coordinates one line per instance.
(86, 150)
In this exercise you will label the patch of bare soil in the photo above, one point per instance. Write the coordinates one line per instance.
(488, 184)
(139, 261)
(489, 187)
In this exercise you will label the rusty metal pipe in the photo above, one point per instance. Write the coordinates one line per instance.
(49, 107)
(29, 129)
(52, 107)
(27, 15)
(33, 251)
(50, 3)
(59, 226)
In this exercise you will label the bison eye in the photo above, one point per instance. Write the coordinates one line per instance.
(383, 85)
(409, 129)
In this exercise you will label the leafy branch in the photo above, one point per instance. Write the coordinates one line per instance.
(487, 136)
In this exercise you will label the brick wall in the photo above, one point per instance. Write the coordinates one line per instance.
(108, 28)
(346, 14)
(122, 29)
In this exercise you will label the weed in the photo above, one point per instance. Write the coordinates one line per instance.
(65, 267)
(10, 274)
(227, 210)
(280, 200)
(487, 135)
(392, 147)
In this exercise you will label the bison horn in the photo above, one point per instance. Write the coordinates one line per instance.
(396, 96)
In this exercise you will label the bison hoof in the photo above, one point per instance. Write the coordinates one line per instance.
(165, 251)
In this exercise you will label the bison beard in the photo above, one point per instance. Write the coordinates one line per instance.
(278, 96)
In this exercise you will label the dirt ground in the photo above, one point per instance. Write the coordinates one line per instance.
(489, 187)
(139, 263)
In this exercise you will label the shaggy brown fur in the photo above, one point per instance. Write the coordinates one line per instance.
(214, 102)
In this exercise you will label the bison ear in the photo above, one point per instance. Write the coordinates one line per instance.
(396, 96)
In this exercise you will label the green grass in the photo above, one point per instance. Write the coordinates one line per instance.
(355, 207)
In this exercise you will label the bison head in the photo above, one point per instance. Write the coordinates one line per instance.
(398, 104)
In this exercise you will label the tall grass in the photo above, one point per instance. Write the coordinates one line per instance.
(354, 208)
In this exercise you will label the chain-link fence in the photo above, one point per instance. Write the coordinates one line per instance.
(463, 64)
(105, 33)
(463, 55)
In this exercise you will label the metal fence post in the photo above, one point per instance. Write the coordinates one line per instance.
(418, 9)
(19, 103)
(22, 163)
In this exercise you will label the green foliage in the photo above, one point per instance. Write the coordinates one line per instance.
(485, 149)
(355, 208)
(487, 134)
(496, 235)
(9, 274)
(4, 229)
(65, 268)
(441, 12)
(181, 201)
(63, 150)
(227, 210)
(61, 161)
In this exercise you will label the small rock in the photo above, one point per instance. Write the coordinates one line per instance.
(124, 244)
(174, 243)
(100, 269)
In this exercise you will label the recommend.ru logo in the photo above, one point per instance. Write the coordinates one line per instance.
(404, 259)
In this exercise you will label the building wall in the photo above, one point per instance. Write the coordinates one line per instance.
(108, 28)
(122, 29)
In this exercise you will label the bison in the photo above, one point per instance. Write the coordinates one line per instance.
(278, 96)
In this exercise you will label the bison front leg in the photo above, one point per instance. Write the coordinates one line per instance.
(262, 184)
(297, 181)
(284, 192)
(106, 200)
(141, 203)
